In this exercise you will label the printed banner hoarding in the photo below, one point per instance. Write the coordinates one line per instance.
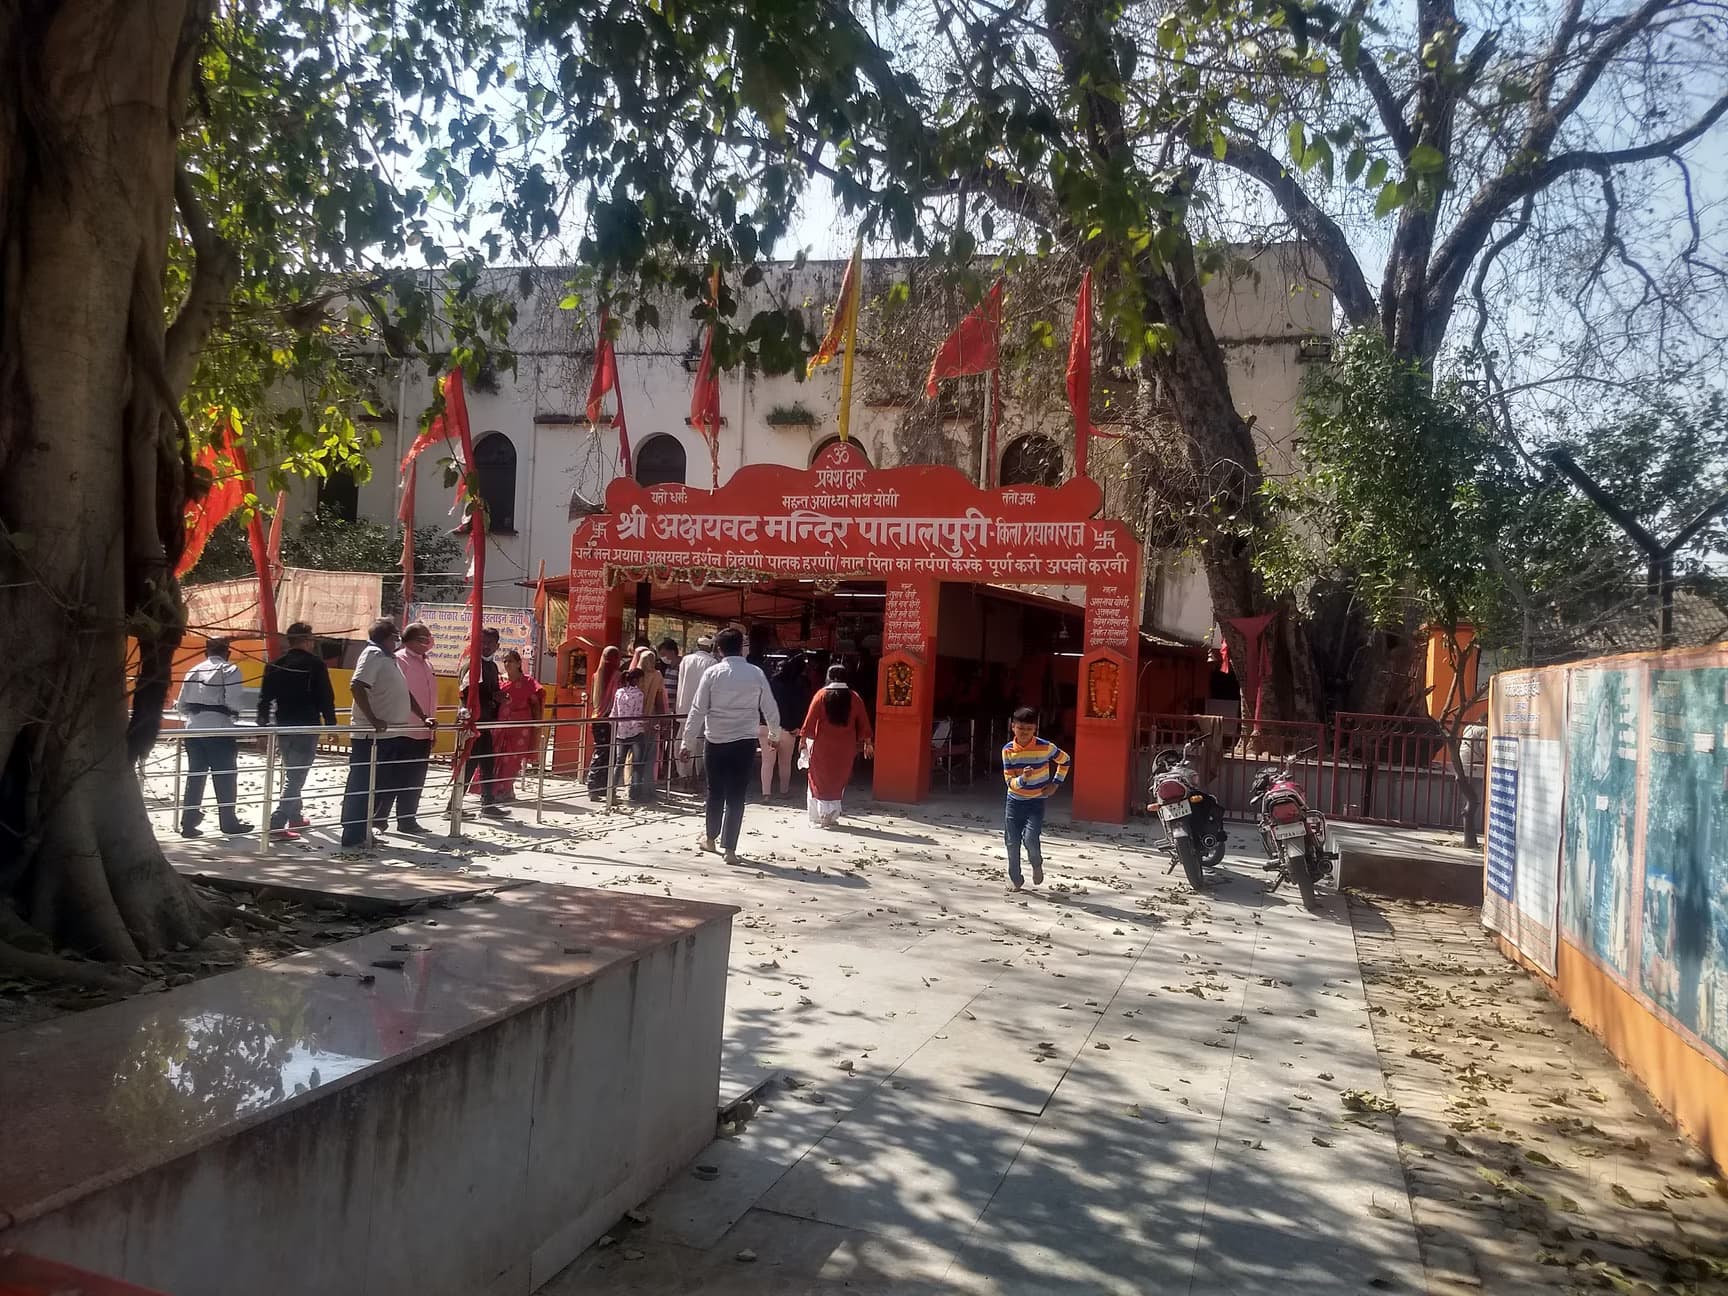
(1683, 962)
(449, 625)
(1602, 758)
(1526, 788)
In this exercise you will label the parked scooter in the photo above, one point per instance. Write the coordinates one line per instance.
(1295, 837)
(1193, 821)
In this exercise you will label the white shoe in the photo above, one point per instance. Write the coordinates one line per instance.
(705, 844)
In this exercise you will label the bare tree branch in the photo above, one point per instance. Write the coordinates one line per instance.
(1349, 284)
(1521, 179)
(215, 271)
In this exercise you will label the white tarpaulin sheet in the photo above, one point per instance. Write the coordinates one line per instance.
(339, 605)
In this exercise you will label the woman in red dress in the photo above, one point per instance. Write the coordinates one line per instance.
(835, 727)
(521, 697)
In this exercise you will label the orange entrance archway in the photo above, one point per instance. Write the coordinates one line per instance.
(912, 528)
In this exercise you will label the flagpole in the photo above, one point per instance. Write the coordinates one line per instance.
(846, 364)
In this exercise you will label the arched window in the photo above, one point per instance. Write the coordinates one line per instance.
(852, 442)
(339, 496)
(660, 461)
(495, 467)
(1032, 461)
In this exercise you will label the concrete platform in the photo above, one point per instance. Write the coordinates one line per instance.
(1409, 864)
(387, 881)
(457, 1105)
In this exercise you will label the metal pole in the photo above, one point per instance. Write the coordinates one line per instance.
(540, 782)
(1665, 579)
(371, 782)
(612, 772)
(269, 785)
(458, 786)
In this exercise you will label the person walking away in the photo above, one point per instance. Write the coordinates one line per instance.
(835, 727)
(1033, 768)
(382, 716)
(654, 699)
(631, 736)
(731, 699)
(422, 682)
(523, 699)
(606, 680)
(691, 669)
(209, 704)
(480, 770)
(792, 696)
(295, 694)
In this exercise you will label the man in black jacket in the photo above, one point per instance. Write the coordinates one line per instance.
(297, 687)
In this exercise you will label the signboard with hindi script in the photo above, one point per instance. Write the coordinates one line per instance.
(449, 626)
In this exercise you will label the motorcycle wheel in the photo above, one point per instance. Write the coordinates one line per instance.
(1296, 865)
(1212, 849)
(1189, 854)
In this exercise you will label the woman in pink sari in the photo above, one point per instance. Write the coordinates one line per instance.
(521, 697)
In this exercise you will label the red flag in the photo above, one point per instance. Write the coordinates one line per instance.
(705, 396)
(443, 425)
(476, 519)
(974, 347)
(1254, 669)
(275, 545)
(606, 380)
(260, 548)
(228, 491)
(1080, 373)
(450, 426)
(266, 583)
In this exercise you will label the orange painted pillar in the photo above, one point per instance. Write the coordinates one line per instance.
(596, 619)
(905, 682)
(1103, 773)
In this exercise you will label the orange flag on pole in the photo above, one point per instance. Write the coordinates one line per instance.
(705, 396)
(842, 335)
(1080, 373)
(443, 427)
(221, 459)
(606, 380)
(972, 348)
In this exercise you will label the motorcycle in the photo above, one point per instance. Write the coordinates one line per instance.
(1294, 836)
(1192, 818)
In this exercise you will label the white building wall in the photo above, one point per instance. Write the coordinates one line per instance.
(1261, 321)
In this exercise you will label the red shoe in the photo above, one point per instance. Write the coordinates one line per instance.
(284, 834)
(299, 823)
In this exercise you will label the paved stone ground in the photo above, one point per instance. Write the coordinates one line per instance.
(1536, 1163)
(1107, 1085)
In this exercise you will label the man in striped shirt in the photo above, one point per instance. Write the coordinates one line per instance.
(1034, 768)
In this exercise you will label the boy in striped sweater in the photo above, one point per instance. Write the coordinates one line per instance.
(1034, 768)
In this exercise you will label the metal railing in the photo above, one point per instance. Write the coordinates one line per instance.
(1393, 770)
(1234, 751)
(383, 783)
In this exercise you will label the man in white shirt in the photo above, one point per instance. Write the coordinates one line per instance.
(383, 715)
(690, 672)
(209, 704)
(731, 703)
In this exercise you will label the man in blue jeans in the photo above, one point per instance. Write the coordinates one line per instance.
(296, 693)
(1033, 768)
(732, 703)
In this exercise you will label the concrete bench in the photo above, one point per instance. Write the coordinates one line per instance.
(464, 1122)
